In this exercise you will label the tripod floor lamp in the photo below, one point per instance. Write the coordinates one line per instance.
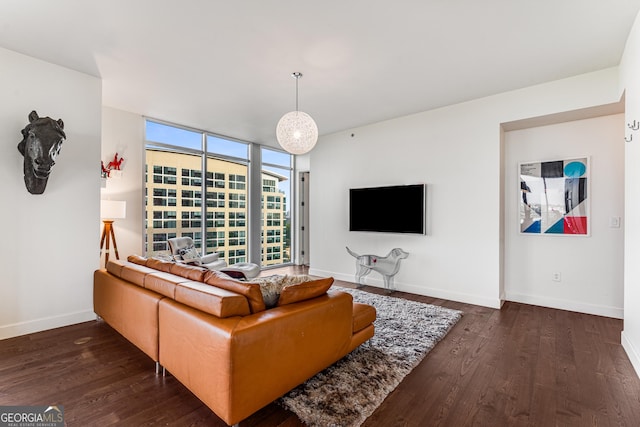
(110, 210)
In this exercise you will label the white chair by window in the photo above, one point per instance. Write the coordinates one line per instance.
(183, 250)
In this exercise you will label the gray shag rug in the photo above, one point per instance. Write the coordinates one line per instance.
(349, 391)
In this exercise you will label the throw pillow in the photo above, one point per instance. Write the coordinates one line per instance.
(278, 290)
(270, 288)
(296, 289)
(249, 290)
(190, 255)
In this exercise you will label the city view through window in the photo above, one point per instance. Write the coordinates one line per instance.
(198, 185)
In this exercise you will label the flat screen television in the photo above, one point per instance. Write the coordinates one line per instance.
(393, 209)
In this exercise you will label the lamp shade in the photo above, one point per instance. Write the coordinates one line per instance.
(296, 132)
(113, 209)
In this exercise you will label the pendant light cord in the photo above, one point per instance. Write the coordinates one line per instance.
(297, 75)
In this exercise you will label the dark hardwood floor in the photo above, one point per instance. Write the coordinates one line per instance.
(519, 366)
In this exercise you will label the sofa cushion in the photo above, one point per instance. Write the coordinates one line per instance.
(190, 272)
(114, 266)
(300, 288)
(212, 300)
(137, 259)
(163, 283)
(135, 273)
(363, 316)
(249, 290)
(160, 265)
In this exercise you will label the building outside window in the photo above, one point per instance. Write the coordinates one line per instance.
(276, 212)
(182, 194)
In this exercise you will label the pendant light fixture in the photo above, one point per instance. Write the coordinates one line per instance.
(296, 131)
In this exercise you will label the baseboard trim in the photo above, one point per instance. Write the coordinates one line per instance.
(45, 323)
(562, 304)
(418, 290)
(631, 351)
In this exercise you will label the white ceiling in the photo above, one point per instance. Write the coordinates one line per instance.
(225, 66)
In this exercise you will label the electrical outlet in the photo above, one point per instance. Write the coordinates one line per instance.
(557, 277)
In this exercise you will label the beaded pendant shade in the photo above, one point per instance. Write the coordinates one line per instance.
(296, 131)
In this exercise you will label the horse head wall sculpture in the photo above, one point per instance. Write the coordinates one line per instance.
(41, 142)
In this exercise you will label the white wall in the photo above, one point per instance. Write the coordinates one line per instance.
(49, 249)
(591, 267)
(630, 81)
(457, 152)
(123, 133)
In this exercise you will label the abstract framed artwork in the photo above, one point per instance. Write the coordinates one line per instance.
(554, 197)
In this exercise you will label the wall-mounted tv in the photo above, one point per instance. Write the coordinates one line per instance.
(394, 209)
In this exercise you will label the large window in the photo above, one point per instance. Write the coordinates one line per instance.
(173, 207)
(198, 185)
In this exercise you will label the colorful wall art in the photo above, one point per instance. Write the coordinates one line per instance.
(554, 197)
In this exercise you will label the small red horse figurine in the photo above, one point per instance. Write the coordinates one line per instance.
(115, 163)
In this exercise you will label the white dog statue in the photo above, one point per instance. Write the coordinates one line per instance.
(388, 266)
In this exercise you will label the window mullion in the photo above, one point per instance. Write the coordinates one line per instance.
(203, 195)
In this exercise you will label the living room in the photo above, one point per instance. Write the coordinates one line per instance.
(466, 153)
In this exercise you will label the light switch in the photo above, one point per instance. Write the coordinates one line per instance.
(614, 222)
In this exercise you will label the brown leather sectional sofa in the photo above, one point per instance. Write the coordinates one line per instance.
(216, 336)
